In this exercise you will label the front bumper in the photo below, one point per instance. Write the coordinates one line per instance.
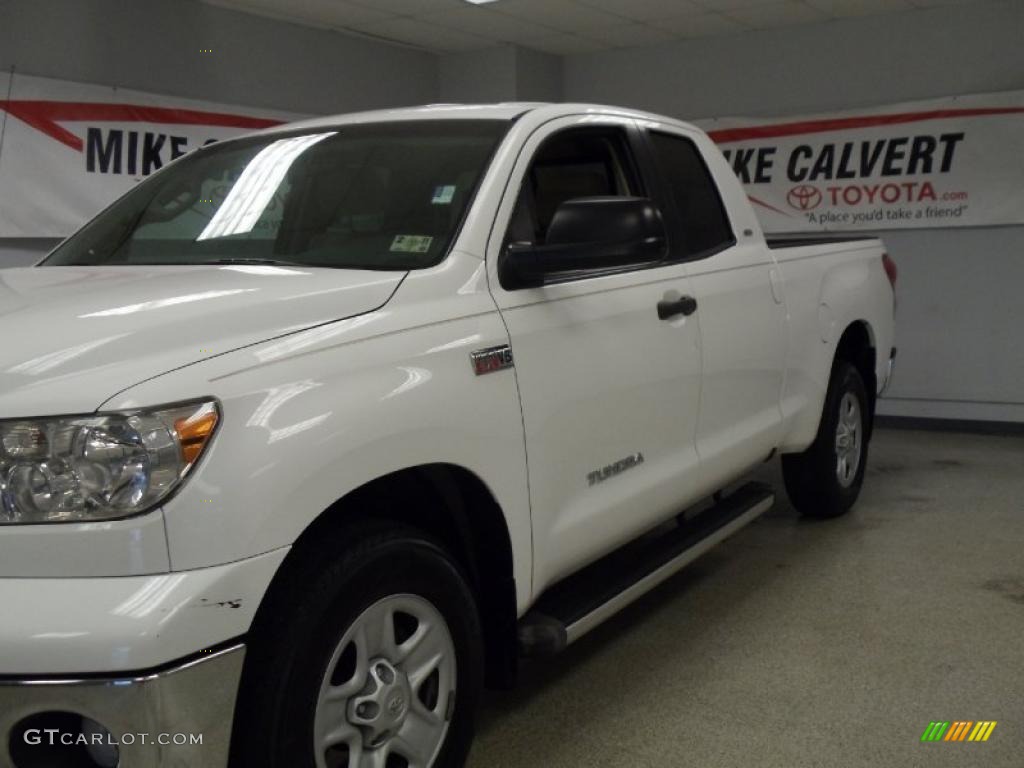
(195, 697)
(75, 645)
(71, 628)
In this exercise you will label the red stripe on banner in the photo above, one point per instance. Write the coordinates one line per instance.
(727, 135)
(45, 116)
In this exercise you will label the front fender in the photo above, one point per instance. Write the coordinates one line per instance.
(310, 417)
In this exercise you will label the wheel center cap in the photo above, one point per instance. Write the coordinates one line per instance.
(380, 710)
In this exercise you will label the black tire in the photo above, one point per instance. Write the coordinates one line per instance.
(305, 619)
(812, 478)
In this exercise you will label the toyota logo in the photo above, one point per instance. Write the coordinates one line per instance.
(804, 197)
(396, 705)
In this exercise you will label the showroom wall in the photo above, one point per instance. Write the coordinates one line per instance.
(154, 45)
(505, 73)
(477, 76)
(960, 314)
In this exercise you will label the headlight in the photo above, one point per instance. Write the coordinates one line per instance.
(99, 467)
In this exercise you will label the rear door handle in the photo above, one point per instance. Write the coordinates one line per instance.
(669, 308)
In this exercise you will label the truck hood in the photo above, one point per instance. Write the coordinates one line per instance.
(74, 336)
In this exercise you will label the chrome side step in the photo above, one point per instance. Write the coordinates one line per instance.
(587, 599)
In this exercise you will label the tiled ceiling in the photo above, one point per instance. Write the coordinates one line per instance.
(563, 26)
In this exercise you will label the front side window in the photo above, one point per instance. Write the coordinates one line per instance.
(374, 196)
(706, 228)
(578, 162)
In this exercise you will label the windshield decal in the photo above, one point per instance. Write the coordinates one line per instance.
(443, 195)
(411, 243)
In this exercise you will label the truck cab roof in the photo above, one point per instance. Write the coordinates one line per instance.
(540, 111)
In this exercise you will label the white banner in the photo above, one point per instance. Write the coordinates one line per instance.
(69, 149)
(956, 162)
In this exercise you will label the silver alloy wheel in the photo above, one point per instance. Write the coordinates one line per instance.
(388, 693)
(849, 433)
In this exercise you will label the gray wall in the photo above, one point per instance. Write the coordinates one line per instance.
(960, 316)
(538, 76)
(478, 76)
(836, 65)
(507, 73)
(154, 45)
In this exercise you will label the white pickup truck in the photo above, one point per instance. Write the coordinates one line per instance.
(318, 431)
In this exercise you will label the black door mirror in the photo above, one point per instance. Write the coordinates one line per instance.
(587, 234)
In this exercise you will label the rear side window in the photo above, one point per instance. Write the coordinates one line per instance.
(705, 225)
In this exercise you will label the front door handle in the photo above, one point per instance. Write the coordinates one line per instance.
(669, 308)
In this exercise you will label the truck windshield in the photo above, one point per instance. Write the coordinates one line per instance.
(387, 196)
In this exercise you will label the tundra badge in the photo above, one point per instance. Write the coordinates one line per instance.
(620, 466)
(491, 359)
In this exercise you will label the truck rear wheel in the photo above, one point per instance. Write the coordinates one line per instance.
(371, 658)
(825, 480)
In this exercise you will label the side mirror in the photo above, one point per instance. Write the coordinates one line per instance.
(588, 233)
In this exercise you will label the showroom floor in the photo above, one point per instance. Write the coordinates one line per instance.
(803, 643)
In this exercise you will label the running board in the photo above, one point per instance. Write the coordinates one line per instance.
(583, 601)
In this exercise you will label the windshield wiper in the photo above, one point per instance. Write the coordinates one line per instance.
(256, 260)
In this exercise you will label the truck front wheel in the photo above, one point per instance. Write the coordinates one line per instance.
(373, 659)
(825, 480)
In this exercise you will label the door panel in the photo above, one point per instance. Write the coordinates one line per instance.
(743, 338)
(741, 316)
(602, 379)
(609, 393)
